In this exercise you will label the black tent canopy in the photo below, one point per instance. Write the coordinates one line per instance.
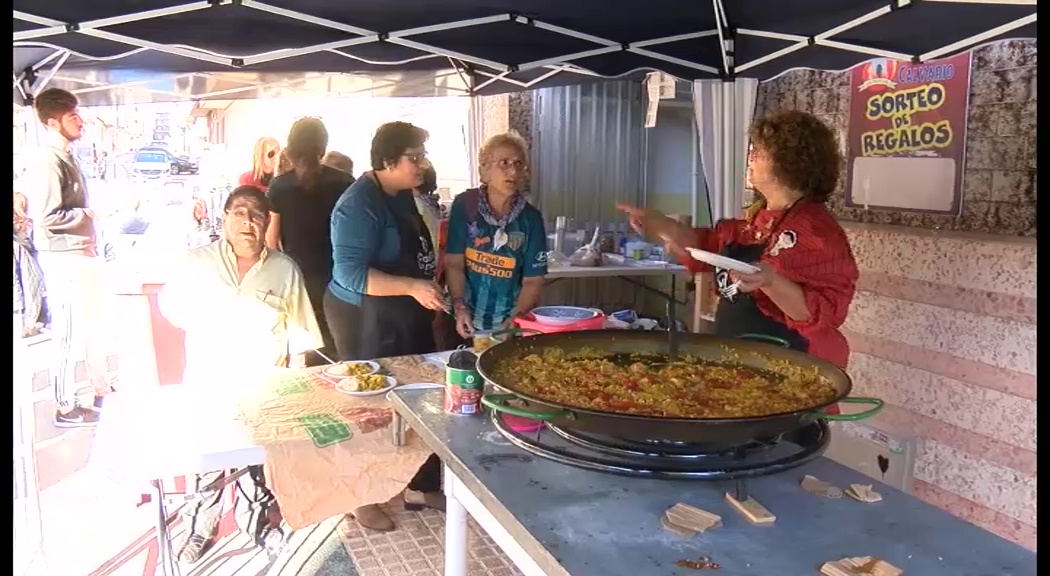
(485, 47)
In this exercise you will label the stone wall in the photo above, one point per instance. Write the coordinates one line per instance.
(505, 113)
(943, 325)
(1000, 181)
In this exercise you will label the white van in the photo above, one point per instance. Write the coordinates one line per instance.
(150, 164)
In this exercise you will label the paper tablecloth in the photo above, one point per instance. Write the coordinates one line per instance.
(328, 453)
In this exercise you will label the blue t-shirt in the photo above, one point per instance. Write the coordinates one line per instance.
(494, 277)
(364, 232)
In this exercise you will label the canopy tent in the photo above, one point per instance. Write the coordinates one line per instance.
(119, 51)
(235, 48)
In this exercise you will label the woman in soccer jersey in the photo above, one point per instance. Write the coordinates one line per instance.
(807, 275)
(496, 253)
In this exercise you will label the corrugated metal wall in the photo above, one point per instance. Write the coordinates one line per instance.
(588, 150)
(588, 154)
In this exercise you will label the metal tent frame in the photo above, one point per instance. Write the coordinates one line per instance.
(475, 73)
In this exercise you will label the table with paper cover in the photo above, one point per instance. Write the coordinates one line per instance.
(325, 452)
(328, 452)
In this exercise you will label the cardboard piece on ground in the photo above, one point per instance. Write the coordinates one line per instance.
(752, 510)
(674, 528)
(860, 566)
(863, 492)
(818, 487)
(692, 518)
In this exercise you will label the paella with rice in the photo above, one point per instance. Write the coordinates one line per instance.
(654, 385)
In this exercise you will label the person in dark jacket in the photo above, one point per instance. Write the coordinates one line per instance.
(383, 296)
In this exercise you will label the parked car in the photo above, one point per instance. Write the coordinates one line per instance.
(178, 164)
(150, 164)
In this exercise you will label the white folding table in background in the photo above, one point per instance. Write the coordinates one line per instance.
(628, 272)
(148, 435)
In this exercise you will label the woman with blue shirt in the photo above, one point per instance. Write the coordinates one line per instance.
(496, 255)
(382, 298)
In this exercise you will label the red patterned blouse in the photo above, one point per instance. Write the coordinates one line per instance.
(820, 261)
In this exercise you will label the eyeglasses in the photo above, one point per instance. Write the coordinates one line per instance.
(247, 215)
(419, 159)
(506, 164)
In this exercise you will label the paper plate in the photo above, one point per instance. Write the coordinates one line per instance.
(422, 386)
(331, 371)
(390, 384)
(719, 261)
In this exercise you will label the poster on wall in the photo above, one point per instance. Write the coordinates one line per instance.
(906, 147)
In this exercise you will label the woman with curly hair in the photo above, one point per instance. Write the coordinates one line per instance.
(807, 274)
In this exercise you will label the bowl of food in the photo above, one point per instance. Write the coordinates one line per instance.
(366, 385)
(341, 370)
(563, 315)
(483, 340)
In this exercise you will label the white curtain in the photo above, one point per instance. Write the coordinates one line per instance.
(723, 112)
(475, 126)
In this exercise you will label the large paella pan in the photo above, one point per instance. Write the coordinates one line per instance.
(626, 384)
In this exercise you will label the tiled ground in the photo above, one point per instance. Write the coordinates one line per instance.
(417, 547)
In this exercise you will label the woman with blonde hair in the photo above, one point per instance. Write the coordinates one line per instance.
(496, 255)
(264, 164)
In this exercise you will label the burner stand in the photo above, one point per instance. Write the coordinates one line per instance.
(610, 456)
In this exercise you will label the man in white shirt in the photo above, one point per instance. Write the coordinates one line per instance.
(244, 310)
(63, 232)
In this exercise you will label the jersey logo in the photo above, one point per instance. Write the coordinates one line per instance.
(488, 264)
(516, 240)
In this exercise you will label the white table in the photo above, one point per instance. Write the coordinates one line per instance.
(167, 431)
(628, 268)
(627, 272)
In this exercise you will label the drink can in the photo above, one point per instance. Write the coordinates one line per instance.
(463, 389)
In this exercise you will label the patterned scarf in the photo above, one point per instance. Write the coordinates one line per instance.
(485, 210)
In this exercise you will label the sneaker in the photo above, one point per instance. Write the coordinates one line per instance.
(76, 418)
(193, 548)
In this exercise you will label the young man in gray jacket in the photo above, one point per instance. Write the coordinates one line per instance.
(64, 234)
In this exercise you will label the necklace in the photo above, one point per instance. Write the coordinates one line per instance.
(500, 237)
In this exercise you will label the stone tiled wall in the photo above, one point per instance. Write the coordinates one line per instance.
(943, 325)
(1000, 182)
(507, 112)
(943, 329)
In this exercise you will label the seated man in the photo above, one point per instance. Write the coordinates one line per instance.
(244, 309)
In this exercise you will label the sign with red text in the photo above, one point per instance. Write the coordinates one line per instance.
(906, 147)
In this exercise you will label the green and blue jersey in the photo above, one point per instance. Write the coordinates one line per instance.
(494, 277)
